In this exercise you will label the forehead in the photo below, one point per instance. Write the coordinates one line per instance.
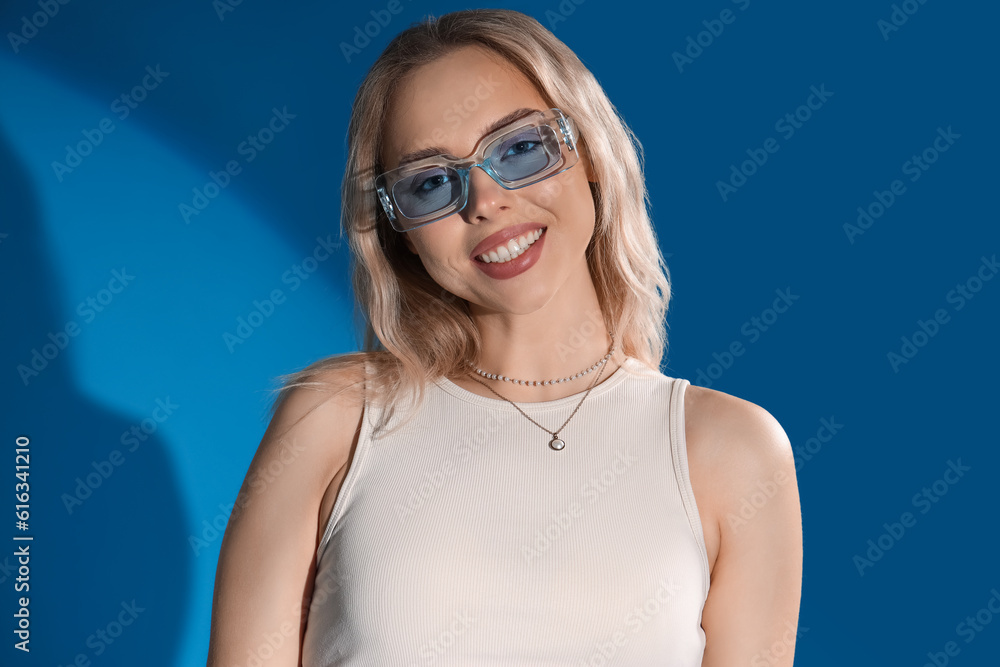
(450, 102)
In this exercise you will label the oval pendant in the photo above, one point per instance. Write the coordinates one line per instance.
(556, 443)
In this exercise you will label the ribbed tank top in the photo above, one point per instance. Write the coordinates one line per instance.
(463, 539)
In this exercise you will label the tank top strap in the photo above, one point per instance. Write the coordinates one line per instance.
(368, 420)
(682, 471)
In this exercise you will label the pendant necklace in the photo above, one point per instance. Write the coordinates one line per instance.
(557, 443)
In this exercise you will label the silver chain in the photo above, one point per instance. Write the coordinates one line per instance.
(556, 443)
(543, 383)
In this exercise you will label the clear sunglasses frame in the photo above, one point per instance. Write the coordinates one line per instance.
(564, 135)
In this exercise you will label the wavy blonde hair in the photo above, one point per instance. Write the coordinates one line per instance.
(415, 331)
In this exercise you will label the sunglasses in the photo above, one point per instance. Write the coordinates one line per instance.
(528, 150)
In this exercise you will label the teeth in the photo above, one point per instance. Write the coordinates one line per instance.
(512, 249)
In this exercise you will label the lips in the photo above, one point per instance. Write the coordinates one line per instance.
(503, 236)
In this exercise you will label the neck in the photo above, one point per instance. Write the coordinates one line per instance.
(563, 338)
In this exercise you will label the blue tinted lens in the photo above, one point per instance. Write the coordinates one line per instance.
(428, 191)
(528, 152)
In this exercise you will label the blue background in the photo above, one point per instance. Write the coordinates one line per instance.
(826, 357)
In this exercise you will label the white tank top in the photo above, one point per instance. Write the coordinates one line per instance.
(463, 539)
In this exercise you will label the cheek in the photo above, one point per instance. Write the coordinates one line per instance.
(567, 196)
(545, 196)
(439, 249)
(408, 242)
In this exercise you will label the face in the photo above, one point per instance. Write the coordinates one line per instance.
(450, 104)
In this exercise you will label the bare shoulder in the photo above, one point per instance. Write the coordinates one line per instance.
(267, 559)
(344, 426)
(726, 427)
(328, 395)
(732, 445)
(318, 421)
(743, 477)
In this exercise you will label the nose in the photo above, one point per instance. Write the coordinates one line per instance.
(486, 197)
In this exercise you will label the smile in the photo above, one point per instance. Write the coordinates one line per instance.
(510, 250)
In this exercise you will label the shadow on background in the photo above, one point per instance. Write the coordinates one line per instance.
(119, 554)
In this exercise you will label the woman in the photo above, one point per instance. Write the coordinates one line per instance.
(504, 476)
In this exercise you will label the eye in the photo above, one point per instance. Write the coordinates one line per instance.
(427, 184)
(523, 143)
(521, 147)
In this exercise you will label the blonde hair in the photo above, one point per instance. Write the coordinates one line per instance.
(415, 331)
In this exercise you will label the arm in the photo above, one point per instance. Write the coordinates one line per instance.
(747, 468)
(266, 569)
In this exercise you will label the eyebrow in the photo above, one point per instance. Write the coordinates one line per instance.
(432, 151)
